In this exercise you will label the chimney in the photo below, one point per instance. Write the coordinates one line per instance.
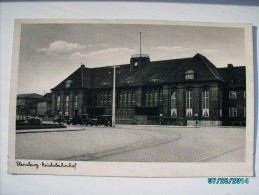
(230, 66)
(82, 73)
(82, 65)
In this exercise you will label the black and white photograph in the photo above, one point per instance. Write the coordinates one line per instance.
(131, 98)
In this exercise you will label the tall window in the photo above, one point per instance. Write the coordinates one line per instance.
(76, 102)
(104, 98)
(58, 103)
(156, 97)
(189, 103)
(205, 103)
(67, 105)
(153, 96)
(232, 95)
(173, 104)
(109, 103)
(232, 111)
(126, 98)
(133, 100)
(220, 103)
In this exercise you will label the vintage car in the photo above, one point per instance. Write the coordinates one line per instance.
(105, 120)
(62, 119)
(33, 120)
(80, 119)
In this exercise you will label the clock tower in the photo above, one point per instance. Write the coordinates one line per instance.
(139, 60)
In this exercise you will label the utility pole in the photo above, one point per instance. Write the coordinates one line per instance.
(140, 42)
(113, 96)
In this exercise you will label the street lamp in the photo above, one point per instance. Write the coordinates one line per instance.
(113, 95)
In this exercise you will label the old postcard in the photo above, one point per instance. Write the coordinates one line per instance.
(131, 98)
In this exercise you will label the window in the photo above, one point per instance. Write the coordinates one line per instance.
(109, 98)
(153, 96)
(67, 105)
(189, 103)
(173, 104)
(68, 83)
(205, 103)
(220, 103)
(101, 99)
(126, 98)
(189, 74)
(76, 102)
(104, 98)
(120, 99)
(232, 95)
(133, 98)
(232, 111)
(156, 94)
(58, 102)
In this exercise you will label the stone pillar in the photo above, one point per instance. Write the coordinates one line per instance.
(166, 104)
(214, 103)
(80, 102)
(181, 101)
(196, 101)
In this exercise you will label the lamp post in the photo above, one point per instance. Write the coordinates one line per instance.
(113, 96)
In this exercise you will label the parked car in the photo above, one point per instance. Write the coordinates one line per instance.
(62, 119)
(93, 121)
(80, 119)
(105, 120)
(33, 120)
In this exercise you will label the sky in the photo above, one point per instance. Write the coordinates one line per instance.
(51, 52)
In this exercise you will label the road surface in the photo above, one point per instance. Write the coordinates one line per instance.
(127, 143)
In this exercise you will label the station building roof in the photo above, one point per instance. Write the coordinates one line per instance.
(153, 73)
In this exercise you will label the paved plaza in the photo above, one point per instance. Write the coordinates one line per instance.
(128, 143)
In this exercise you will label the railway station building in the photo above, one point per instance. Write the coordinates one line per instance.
(147, 91)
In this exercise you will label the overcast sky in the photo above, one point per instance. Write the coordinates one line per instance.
(51, 52)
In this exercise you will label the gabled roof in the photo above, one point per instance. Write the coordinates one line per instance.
(29, 95)
(203, 70)
(78, 79)
(234, 76)
(149, 73)
(46, 98)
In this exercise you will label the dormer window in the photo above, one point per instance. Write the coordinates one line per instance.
(104, 83)
(189, 74)
(155, 80)
(128, 81)
(68, 83)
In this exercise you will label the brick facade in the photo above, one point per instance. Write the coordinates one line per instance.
(201, 91)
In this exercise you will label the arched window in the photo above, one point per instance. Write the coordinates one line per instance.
(205, 103)
(173, 104)
(188, 103)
